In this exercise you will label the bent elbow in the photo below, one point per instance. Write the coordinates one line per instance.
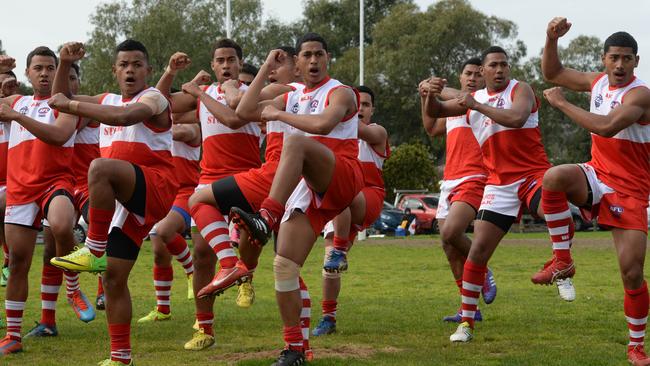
(607, 132)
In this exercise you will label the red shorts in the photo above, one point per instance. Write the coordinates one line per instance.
(346, 183)
(160, 194)
(183, 198)
(31, 213)
(467, 189)
(255, 184)
(614, 209)
(80, 197)
(374, 204)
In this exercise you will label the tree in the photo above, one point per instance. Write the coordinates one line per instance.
(409, 167)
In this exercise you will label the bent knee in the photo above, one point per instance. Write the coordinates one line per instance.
(286, 273)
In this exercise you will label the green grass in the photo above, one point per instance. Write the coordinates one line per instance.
(393, 298)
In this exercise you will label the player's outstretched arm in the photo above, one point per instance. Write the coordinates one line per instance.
(515, 117)
(552, 68)
(190, 134)
(70, 53)
(57, 133)
(253, 101)
(636, 108)
(342, 103)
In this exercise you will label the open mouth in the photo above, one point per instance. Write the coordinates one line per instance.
(313, 71)
(129, 80)
(360, 116)
(44, 83)
(227, 74)
(272, 80)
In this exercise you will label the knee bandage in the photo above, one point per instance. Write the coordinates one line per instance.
(286, 274)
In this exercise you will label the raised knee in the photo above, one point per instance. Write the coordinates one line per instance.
(554, 178)
(286, 274)
(99, 168)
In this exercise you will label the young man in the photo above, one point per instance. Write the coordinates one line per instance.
(230, 146)
(132, 186)
(167, 235)
(317, 178)
(39, 185)
(613, 186)
(463, 182)
(364, 210)
(504, 119)
(51, 277)
(247, 74)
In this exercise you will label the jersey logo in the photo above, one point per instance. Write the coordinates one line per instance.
(43, 111)
(24, 110)
(487, 199)
(306, 97)
(501, 103)
(616, 210)
(598, 101)
(295, 108)
(110, 131)
(313, 105)
(614, 104)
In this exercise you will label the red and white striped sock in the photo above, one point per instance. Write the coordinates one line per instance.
(51, 279)
(180, 250)
(559, 222)
(100, 222)
(293, 338)
(214, 230)
(272, 211)
(205, 322)
(120, 335)
(5, 250)
(473, 278)
(14, 311)
(329, 308)
(71, 282)
(305, 314)
(162, 281)
(341, 244)
(636, 313)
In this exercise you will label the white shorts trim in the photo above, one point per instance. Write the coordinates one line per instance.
(598, 188)
(503, 199)
(300, 199)
(446, 187)
(24, 214)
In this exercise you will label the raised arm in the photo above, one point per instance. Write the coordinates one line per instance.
(57, 133)
(342, 103)
(515, 117)
(181, 102)
(552, 68)
(434, 88)
(70, 53)
(636, 108)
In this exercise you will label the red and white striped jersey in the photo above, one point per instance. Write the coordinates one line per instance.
(342, 140)
(186, 163)
(463, 154)
(5, 130)
(86, 149)
(226, 151)
(276, 131)
(141, 144)
(32, 165)
(622, 161)
(372, 163)
(509, 154)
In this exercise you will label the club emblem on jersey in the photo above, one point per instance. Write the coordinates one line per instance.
(43, 111)
(501, 103)
(295, 108)
(313, 105)
(614, 104)
(598, 101)
(616, 210)
(24, 110)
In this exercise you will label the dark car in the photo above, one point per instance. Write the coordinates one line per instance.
(388, 220)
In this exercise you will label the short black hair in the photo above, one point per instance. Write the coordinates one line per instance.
(227, 43)
(291, 51)
(621, 39)
(311, 37)
(10, 73)
(472, 61)
(42, 51)
(492, 49)
(365, 89)
(132, 45)
(249, 69)
(76, 68)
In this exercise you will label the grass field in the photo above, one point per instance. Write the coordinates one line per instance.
(393, 298)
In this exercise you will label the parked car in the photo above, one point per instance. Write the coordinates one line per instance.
(388, 220)
(424, 207)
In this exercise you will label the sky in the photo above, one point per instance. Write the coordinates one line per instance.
(589, 17)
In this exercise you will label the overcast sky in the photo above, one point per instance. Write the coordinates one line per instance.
(589, 17)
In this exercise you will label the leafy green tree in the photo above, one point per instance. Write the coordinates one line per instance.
(409, 167)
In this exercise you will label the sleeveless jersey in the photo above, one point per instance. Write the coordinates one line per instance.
(372, 163)
(226, 151)
(5, 130)
(33, 166)
(342, 140)
(186, 164)
(141, 143)
(276, 131)
(463, 154)
(509, 154)
(622, 161)
(86, 149)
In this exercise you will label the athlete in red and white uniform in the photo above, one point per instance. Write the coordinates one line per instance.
(5, 129)
(614, 185)
(39, 185)
(167, 236)
(463, 181)
(504, 119)
(230, 146)
(133, 184)
(363, 212)
(326, 159)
